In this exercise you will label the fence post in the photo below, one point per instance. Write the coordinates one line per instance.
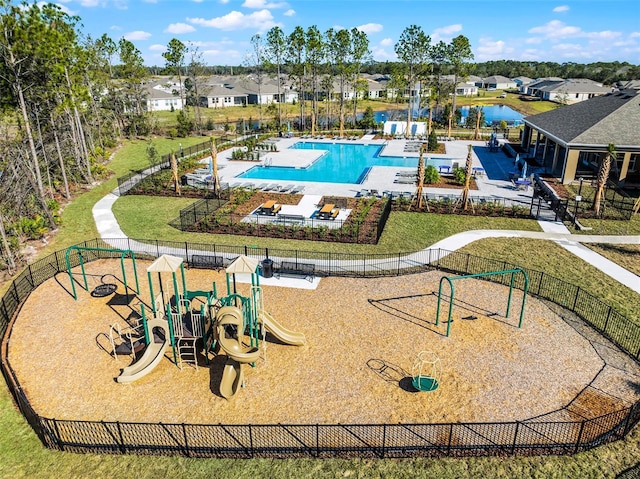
(317, 440)
(398, 264)
(384, 437)
(186, 441)
(186, 251)
(33, 283)
(575, 300)
(579, 437)
(450, 439)
(606, 322)
(515, 438)
(121, 446)
(250, 441)
(629, 425)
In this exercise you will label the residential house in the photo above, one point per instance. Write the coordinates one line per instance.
(221, 92)
(498, 82)
(521, 81)
(571, 141)
(163, 95)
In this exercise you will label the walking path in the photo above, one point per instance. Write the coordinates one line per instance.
(109, 229)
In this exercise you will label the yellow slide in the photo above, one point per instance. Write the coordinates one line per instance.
(230, 331)
(280, 332)
(151, 357)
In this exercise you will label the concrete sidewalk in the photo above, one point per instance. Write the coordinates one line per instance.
(108, 228)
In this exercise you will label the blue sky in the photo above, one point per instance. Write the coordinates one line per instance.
(540, 30)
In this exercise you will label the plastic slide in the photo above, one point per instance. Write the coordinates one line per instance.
(280, 332)
(151, 357)
(231, 378)
(232, 346)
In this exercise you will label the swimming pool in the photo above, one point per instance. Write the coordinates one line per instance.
(340, 163)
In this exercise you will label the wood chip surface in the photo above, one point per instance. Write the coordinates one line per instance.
(363, 336)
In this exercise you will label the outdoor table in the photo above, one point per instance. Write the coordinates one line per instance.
(269, 208)
(326, 210)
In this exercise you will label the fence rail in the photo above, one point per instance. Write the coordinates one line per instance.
(324, 440)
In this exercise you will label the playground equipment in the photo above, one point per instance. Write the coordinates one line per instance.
(80, 249)
(153, 353)
(426, 371)
(450, 280)
(239, 315)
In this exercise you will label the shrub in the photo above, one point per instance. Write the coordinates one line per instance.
(431, 175)
(432, 142)
(460, 175)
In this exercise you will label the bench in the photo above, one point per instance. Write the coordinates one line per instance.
(285, 218)
(206, 261)
(293, 268)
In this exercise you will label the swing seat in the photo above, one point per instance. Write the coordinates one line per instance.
(425, 383)
(426, 371)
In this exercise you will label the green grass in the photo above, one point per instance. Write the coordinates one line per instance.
(551, 258)
(22, 456)
(147, 218)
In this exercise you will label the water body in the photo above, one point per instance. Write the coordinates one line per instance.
(340, 163)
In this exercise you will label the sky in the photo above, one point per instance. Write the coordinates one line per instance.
(582, 31)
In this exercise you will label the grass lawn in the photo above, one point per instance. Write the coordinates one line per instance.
(147, 218)
(551, 258)
(22, 456)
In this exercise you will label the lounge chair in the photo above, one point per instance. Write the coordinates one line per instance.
(405, 180)
(261, 186)
(270, 187)
(286, 188)
(296, 190)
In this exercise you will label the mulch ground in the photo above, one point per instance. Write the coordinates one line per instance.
(363, 336)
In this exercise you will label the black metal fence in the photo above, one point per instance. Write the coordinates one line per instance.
(126, 182)
(320, 440)
(201, 216)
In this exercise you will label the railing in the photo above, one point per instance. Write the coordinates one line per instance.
(126, 182)
(323, 440)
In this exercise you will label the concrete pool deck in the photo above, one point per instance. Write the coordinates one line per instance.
(494, 184)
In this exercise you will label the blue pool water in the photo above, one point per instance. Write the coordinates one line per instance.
(341, 163)
(496, 113)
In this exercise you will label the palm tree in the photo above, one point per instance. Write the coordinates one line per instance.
(603, 175)
(467, 179)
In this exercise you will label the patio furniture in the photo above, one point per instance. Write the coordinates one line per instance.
(269, 208)
(206, 261)
(325, 211)
(294, 268)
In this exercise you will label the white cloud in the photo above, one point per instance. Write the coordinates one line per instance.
(178, 28)
(156, 47)
(386, 42)
(150, 1)
(261, 20)
(64, 8)
(137, 35)
(89, 3)
(223, 2)
(117, 28)
(489, 49)
(561, 8)
(289, 13)
(370, 28)
(555, 29)
(445, 33)
(256, 4)
(381, 54)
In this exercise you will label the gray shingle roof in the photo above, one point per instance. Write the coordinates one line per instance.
(611, 118)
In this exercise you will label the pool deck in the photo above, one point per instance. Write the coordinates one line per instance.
(495, 183)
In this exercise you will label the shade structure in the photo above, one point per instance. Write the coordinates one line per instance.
(243, 264)
(165, 264)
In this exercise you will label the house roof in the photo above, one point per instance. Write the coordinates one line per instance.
(498, 79)
(610, 118)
